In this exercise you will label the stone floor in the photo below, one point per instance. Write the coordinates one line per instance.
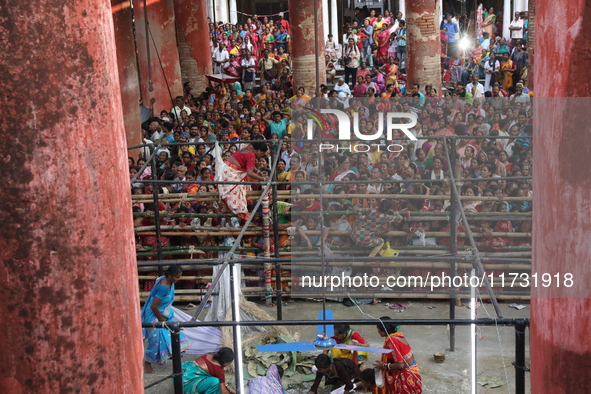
(495, 350)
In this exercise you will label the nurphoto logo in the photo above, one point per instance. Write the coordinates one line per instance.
(345, 130)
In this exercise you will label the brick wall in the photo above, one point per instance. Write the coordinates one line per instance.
(189, 69)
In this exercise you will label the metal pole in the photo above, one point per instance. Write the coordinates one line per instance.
(177, 366)
(157, 213)
(520, 358)
(353, 322)
(267, 252)
(453, 264)
(477, 261)
(235, 329)
(278, 289)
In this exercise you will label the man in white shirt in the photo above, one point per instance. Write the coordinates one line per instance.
(519, 96)
(156, 133)
(180, 106)
(475, 84)
(220, 57)
(516, 28)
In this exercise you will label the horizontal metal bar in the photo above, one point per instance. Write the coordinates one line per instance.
(339, 182)
(333, 259)
(408, 322)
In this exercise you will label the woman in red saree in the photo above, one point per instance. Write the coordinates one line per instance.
(400, 369)
(239, 168)
(390, 71)
(383, 42)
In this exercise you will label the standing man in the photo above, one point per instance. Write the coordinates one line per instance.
(180, 106)
(452, 36)
(220, 57)
(401, 48)
(367, 29)
(284, 23)
(516, 28)
(351, 58)
(267, 66)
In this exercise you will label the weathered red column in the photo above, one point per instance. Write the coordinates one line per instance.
(68, 279)
(303, 30)
(129, 80)
(423, 45)
(162, 41)
(191, 18)
(560, 343)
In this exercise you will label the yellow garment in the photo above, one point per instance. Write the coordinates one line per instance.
(235, 51)
(388, 251)
(191, 150)
(343, 353)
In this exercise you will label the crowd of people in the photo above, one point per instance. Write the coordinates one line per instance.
(233, 131)
(242, 121)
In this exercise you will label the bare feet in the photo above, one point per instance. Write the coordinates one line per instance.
(148, 367)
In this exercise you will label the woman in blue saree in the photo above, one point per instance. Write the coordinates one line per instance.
(158, 307)
(206, 375)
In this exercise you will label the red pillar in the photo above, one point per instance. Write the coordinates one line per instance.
(162, 41)
(128, 73)
(191, 18)
(68, 276)
(560, 343)
(303, 30)
(423, 44)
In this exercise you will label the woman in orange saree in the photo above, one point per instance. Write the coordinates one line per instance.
(507, 69)
(400, 369)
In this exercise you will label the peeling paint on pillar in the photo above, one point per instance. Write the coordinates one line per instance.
(163, 34)
(560, 343)
(68, 275)
(303, 30)
(128, 72)
(191, 18)
(423, 44)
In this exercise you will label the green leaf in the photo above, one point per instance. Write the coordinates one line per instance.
(252, 368)
(491, 382)
(261, 371)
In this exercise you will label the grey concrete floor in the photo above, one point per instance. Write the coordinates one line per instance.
(495, 349)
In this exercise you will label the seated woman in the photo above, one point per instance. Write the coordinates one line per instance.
(343, 334)
(206, 374)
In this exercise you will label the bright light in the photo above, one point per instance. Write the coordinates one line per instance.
(464, 43)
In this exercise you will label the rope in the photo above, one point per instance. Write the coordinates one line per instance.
(498, 339)
(243, 13)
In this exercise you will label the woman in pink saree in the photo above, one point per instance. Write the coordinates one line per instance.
(383, 42)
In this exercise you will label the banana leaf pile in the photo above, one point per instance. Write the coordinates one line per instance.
(297, 365)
